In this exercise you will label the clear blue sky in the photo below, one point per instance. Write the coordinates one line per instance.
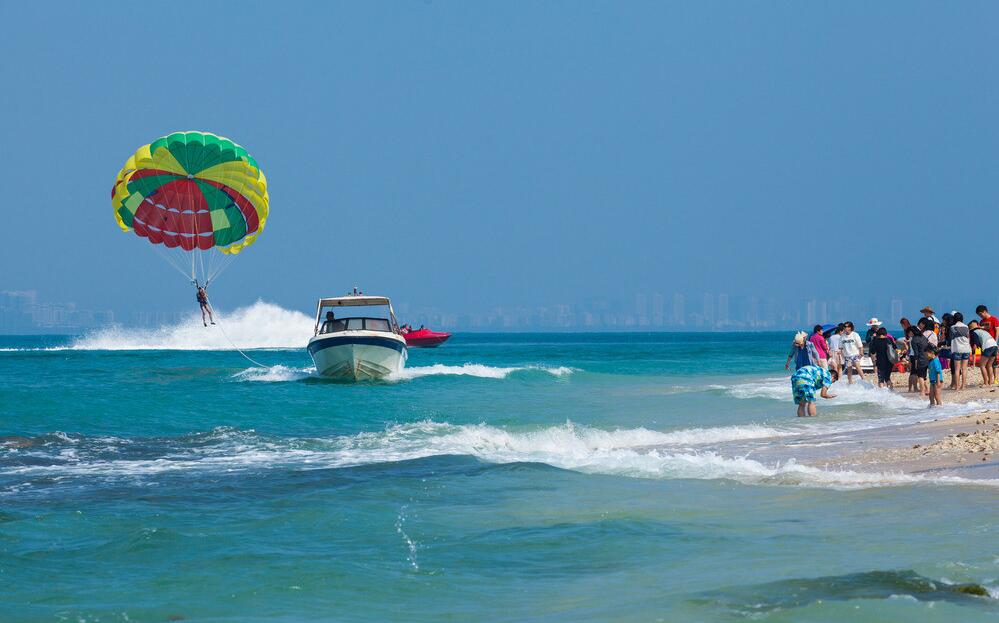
(464, 154)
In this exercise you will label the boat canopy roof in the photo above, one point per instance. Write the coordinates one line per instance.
(356, 300)
(353, 301)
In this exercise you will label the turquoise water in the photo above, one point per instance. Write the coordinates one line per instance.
(502, 478)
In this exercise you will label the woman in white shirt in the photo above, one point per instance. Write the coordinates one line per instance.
(852, 347)
(958, 336)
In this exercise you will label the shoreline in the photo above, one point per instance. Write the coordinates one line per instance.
(964, 445)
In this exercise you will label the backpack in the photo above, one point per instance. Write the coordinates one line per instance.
(919, 344)
(892, 353)
(813, 353)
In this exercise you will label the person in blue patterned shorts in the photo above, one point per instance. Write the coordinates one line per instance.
(804, 382)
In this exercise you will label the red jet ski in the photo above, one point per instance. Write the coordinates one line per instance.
(425, 338)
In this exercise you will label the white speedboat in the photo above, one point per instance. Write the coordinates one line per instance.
(357, 347)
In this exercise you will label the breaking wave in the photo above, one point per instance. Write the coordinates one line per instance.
(638, 452)
(901, 408)
(861, 392)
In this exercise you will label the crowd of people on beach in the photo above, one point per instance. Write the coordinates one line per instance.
(923, 350)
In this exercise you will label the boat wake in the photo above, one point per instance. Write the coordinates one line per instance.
(260, 325)
(475, 369)
(61, 460)
(283, 374)
(276, 374)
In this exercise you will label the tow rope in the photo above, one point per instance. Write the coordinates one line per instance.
(226, 335)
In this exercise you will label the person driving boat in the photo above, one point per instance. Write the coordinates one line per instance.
(331, 324)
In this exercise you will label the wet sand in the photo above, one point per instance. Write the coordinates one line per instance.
(965, 445)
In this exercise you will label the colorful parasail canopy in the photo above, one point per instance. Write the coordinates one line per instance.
(192, 190)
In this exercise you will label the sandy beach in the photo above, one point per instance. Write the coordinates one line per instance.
(964, 445)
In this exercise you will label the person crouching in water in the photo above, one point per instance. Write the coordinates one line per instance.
(935, 371)
(205, 307)
(804, 382)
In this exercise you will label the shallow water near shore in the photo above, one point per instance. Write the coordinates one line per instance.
(542, 477)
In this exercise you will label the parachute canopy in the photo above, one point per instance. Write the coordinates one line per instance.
(192, 191)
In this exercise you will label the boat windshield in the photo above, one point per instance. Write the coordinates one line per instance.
(356, 324)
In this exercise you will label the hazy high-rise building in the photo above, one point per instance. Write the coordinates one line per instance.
(896, 310)
(753, 311)
(723, 318)
(642, 309)
(658, 310)
(679, 309)
(20, 301)
(708, 310)
(810, 313)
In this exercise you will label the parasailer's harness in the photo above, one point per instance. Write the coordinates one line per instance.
(226, 335)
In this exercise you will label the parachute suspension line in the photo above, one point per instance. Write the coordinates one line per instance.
(223, 264)
(204, 274)
(228, 339)
(166, 258)
(196, 251)
(209, 274)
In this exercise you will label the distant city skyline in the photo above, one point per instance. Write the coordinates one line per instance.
(647, 311)
(23, 312)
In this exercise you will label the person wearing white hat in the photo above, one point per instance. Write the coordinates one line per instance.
(802, 352)
(872, 328)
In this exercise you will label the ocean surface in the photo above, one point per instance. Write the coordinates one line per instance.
(158, 475)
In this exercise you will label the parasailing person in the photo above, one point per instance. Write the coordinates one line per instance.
(203, 302)
(198, 198)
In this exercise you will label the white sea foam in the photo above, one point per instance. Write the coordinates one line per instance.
(894, 408)
(474, 369)
(275, 374)
(861, 392)
(281, 373)
(260, 325)
(640, 453)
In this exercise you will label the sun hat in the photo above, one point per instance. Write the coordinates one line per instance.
(874, 322)
(799, 337)
(926, 310)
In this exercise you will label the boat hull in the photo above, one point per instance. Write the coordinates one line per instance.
(358, 355)
(426, 338)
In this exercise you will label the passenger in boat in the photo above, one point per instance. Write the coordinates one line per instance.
(205, 307)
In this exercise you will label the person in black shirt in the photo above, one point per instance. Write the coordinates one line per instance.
(880, 352)
(918, 360)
